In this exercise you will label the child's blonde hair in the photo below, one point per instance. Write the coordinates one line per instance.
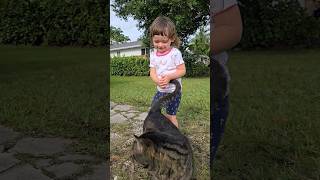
(165, 27)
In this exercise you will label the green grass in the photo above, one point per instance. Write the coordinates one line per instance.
(56, 91)
(273, 126)
(139, 91)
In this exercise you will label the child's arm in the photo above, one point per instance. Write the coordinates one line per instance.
(180, 71)
(153, 75)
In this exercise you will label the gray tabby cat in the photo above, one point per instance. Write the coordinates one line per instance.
(162, 148)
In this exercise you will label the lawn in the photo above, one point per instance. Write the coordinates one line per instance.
(56, 92)
(273, 126)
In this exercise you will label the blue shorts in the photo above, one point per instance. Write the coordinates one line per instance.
(171, 106)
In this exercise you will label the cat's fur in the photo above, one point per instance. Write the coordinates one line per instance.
(162, 148)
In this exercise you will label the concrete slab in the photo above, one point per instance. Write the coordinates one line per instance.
(64, 170)
(112, 105)
(133, 111)
(7, 161)
(142, 116)
(41, 146)
(100, 172)
(25, 172)
(118, 118)
(76, 157)
(42, 163)
(129, 115)
(112, 112)
(123, 108)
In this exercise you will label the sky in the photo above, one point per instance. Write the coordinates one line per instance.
(129, 27)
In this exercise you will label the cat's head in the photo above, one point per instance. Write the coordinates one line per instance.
(141, 150)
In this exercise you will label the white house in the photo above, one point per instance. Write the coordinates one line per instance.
(135, 48)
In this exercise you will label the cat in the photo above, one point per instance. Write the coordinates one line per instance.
(162, 148)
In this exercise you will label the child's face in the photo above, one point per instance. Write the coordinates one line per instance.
(161, 43)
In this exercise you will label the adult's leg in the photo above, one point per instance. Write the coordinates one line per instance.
(219, 105)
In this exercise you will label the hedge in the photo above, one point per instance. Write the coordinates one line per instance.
(139, 66)
(54, 22)
(277, 23)
(129, 66)
(194, 67)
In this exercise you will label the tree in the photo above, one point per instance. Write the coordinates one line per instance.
(188, 15)
(200, 43)
(277, 23)
(116, 35)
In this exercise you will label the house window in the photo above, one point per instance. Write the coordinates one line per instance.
(143, 51)
(118, 53)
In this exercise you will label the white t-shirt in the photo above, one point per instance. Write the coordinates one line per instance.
(166, 64)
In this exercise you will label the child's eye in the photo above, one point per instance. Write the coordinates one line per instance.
(163, 41)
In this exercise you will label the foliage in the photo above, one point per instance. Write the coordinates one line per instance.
(188, 15)
(129, 66)
(139, 66)
(200, 44)
(278, 23)
(194, 66)
(54, 22)
(116, 35)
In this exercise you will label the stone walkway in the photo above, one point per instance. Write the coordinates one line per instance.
(125, 121)
(29, 158)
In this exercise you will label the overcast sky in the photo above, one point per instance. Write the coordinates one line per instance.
(129, 27)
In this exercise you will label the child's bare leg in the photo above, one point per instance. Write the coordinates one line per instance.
(173, 119)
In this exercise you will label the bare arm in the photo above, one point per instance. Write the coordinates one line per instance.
(227, 30)
(180, 71)
(153, 75)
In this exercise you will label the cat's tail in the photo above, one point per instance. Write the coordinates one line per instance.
(157, 105)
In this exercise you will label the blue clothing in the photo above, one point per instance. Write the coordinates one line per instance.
(219, 105)
(171, 106)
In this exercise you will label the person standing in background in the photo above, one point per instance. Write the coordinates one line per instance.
(225, 33)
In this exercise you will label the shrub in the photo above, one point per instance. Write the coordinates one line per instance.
(129, 66)
(277, 23)
(54, 22)
(139, 66)
(194, 67)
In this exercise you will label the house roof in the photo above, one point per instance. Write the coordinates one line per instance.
(125, 45)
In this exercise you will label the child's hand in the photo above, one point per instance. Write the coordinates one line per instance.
(164, 81)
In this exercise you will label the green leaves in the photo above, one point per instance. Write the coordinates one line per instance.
(200, 43)
(129, 66)
(54, 22)
(278, 23)
(187, 15)
(116, 34)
